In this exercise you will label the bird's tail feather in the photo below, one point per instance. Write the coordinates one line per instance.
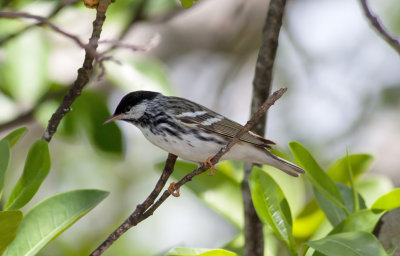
(284, 165)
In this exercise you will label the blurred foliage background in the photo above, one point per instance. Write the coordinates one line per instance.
(344, 92)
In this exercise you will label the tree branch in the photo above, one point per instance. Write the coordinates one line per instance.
(141, 212)
(391, 40)
(83, 73)
(253, 228)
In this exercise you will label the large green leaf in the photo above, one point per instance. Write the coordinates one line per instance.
(46, 220)
(335, 214)
(37, 166)
(9, 222)
(349, 244)
(181, 251)
(388, 201)
(319, 179)
(221, 191)
(359, 163)
(15, 135)
(363, 220)
(4, 160)
(271, 206)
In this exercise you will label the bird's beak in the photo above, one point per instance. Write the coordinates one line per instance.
(113, 118)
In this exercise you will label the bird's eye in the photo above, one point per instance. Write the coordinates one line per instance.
(127, 108)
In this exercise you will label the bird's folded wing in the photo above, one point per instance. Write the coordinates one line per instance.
(211, 122)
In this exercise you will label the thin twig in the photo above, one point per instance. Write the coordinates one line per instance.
(253, 228)
(391, 40)
(136, 218)
(83, 73)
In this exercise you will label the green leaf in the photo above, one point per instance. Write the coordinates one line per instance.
(4, 160)
(388, 201)
(9, 222)
(349, 244)
(335, 214)
(37, 166)
(46, 220)
(271, 206)
(318, 178)
(359, 163)
(187, 3)
(363, 220)
(221, 192)
(181, 251)
(15, 135)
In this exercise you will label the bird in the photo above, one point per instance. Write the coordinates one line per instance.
(193, 132)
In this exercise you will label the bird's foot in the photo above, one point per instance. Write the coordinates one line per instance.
(208, 161)
(173, 190)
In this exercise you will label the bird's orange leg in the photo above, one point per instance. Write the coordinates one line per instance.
(172, 190)
(208, 161)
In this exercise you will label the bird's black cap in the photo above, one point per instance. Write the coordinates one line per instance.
(132, 99)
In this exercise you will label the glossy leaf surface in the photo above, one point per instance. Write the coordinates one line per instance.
(49, 218)
(318, 178)
(271, 206)
(37, 166)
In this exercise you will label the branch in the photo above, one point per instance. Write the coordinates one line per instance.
(142, 213)
(253, 228)
(391, 40)
(83, 73)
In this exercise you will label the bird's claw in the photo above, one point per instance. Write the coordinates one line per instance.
(208, 161)
(173, 190)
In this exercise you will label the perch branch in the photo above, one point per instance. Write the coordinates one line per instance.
(141, 214)
(253, 228)
(391, 40)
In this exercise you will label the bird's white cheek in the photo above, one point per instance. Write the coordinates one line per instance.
(137, 111)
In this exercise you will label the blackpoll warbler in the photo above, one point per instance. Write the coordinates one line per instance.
(194, 132)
